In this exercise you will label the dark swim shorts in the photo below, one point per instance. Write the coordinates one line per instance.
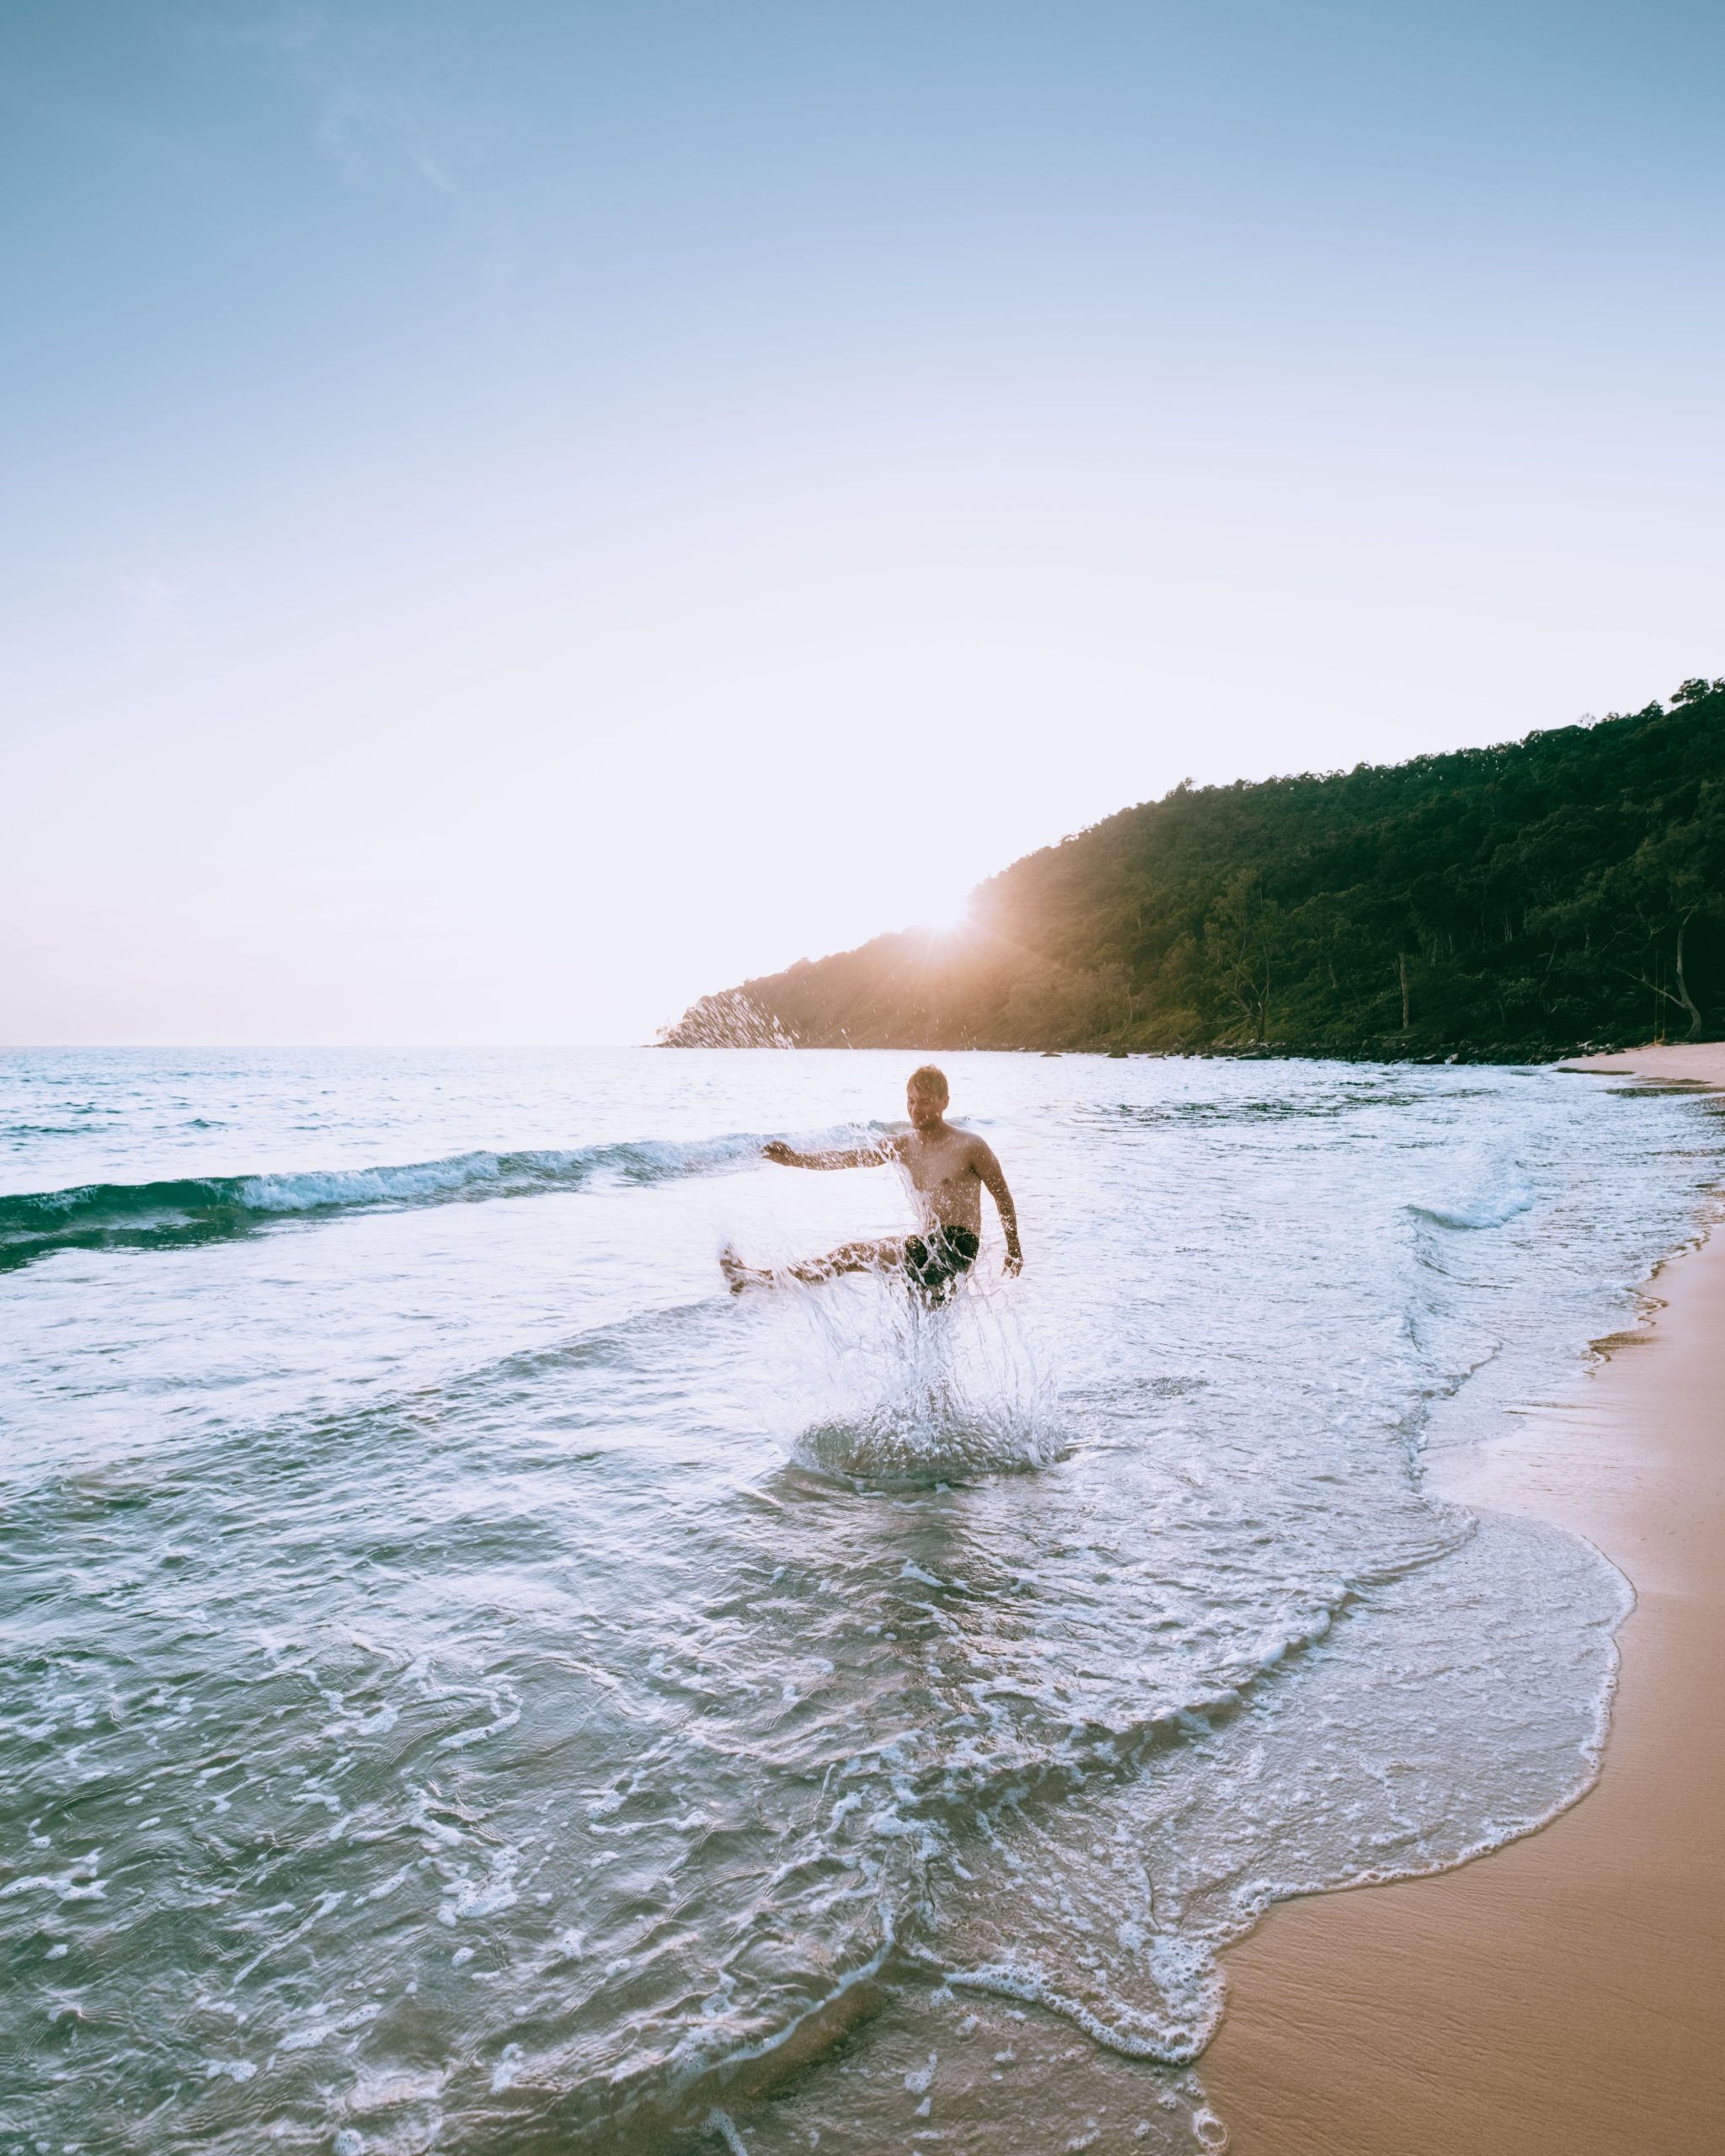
(934, 1263)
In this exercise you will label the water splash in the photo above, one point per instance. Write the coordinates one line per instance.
(915, 1394)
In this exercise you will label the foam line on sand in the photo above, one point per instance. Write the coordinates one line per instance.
(1564, 1996)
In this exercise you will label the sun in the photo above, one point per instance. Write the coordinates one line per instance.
(949, 921)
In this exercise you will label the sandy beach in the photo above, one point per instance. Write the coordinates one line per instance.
(1567, 1994)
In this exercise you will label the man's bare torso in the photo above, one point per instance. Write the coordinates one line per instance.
(944, 1174)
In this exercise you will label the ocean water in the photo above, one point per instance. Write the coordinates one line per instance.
(473, 1685)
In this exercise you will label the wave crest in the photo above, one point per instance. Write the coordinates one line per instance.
(204, 1209)
(1493, 1211)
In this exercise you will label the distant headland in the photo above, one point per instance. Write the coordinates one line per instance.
(1563, 891)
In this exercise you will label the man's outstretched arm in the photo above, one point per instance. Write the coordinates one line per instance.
(989, 1169)
(843, 1156)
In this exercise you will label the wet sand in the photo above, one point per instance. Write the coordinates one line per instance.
(1564, 1996)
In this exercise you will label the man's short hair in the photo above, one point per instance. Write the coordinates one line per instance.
(930, 1078)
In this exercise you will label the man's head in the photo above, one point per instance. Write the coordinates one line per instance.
(926, 1096)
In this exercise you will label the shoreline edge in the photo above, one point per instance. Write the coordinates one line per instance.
(1563, 1995)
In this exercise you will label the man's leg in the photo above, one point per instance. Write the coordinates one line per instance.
(876, 1255)
(880, 1255)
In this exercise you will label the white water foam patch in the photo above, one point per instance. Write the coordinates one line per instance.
(1103, 1911)
(896, 1391)
(935, 2066)
(1408, 1746)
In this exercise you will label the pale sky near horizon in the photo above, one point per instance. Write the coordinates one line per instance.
(517, 514)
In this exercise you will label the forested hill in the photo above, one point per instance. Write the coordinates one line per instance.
(1514, 901)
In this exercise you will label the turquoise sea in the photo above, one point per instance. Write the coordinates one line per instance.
(473, 1685)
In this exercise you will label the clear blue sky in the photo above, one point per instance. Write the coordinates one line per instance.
(517, 512)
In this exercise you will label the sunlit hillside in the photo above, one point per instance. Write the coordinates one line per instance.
(1515, 900)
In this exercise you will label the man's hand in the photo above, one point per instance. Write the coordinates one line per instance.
(1015, 1262)
(786, 1156)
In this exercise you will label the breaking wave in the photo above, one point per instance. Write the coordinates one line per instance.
(207, 1209)
(1495, 1211)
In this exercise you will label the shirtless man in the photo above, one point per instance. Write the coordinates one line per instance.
(949, 1170)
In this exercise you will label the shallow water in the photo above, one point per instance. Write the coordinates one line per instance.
(474, 1685)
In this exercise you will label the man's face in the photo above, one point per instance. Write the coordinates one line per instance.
(925, 1105)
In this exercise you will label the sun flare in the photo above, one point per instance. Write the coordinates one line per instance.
(955, 919)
